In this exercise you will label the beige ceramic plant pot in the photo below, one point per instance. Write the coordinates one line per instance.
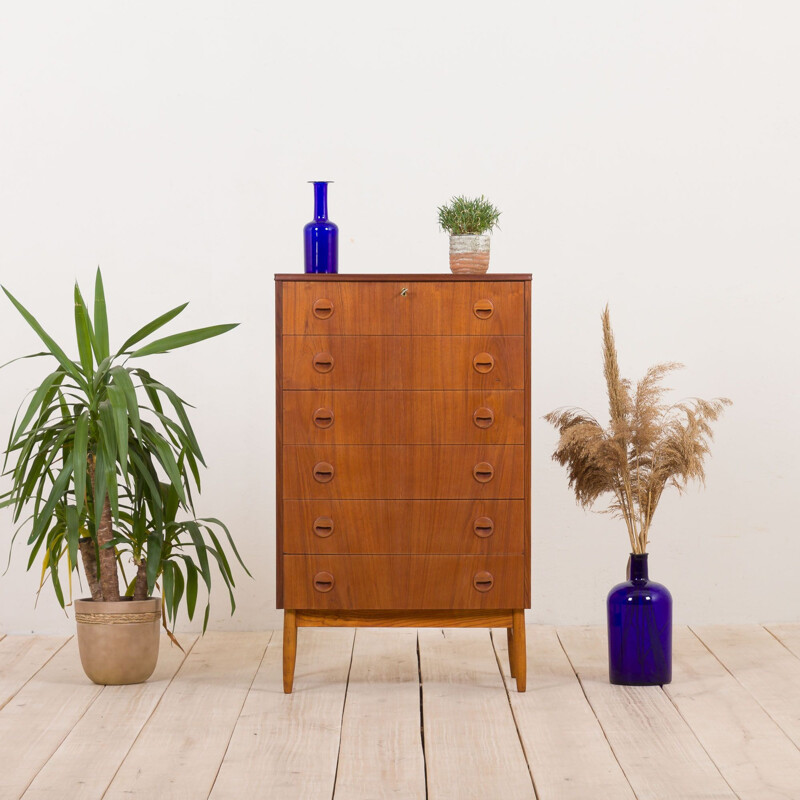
(118, 642)
(469, 253)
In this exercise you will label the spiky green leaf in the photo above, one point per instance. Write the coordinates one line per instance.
(182, 340)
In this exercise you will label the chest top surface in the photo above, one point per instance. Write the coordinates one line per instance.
(405, 276)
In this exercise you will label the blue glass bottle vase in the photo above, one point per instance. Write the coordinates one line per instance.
(321, 236)
(639, 629)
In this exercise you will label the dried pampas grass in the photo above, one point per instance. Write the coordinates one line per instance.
(647, 445)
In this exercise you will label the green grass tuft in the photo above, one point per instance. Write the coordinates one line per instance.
(465, 215)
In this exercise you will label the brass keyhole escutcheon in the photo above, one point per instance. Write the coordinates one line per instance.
(323, 472)
(324, 581)
(483, 527)
(403, 292)
(323, 418)
(322, 527)
(322, 309)
(483, 363)
(483, 309)
(483, 417)
(483, 472)
(483, 581)
(323, 362)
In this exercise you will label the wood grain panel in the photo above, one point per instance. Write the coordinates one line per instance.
(21, 657)
(402, 582)
(390, 417)
(279, 442)
(188, 733)
(447, 618)
(402, 277)
(380, 755)
(397, 472)
(472, 747)
(403, 362)
(755, 757)
(657, 750)
(40, 716)
(449, 308)
(346, 308)
(285, 746)
(116, 718)
(568, 755)
(405, 526)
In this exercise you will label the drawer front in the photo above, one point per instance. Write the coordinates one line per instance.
(334, 308)
(403, 362)
(403, 582)
(397, 472)
(393, 417)
(468, 308)
(467, 527)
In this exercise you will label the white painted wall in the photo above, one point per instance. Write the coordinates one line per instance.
(643, 155)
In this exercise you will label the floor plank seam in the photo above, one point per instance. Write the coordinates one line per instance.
(65, 737)
(760, 704)
(594, 712)
(780, 641)
(52, 655)
(149, 717)
(513, 715)
(702, 746)
(341, 721)
(241, 707)
(422, 720)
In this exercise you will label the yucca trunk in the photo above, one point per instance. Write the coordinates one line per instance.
(89, 559)
(109, 578)
(140, 592)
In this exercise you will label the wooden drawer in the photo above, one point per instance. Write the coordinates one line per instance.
(403, 582)
(406, 526)
(393, 307)
(403, 362)
(393, 417)
(335, 308)
(417, 472)
(468, 308)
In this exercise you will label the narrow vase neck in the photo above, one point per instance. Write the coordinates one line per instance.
(320, 201)
(639, 567)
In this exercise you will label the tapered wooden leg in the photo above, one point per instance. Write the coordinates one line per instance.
(520, 655)
(289, 649)
(511, 664)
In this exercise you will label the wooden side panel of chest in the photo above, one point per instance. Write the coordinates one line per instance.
(403, 450)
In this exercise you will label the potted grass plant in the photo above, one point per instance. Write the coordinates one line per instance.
(648, 446)
(105, 460)
(469, 222)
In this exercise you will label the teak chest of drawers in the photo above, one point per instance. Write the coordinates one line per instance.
(403, 448)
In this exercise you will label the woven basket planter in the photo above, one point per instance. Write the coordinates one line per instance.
(118, 642)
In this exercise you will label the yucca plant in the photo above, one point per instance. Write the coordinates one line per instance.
(648, 445)
(105, 460)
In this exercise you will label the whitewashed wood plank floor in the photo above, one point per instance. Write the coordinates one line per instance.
(407, 714)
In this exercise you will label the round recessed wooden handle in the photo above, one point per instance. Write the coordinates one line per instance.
(483, 527)
(322, 527)
(323, 418)
(323, 362)
(483, 309)
(482, 472)
(483, 581)
(322, 309)
(323, 472)
(483, 417)
(483, 362)
(323, 582)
